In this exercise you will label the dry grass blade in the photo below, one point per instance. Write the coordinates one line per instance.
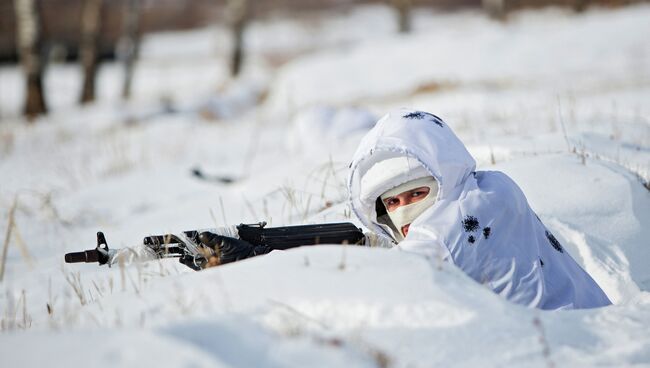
(5, 247)
(249, 205)
(74, 280)
(22, 246)
(343, 262)
(223, 211)
(543, 341)
(379, 357)
(561, 118)
(99, 290)
(27, 319)
(50, 299)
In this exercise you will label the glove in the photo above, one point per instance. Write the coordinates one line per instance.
(227, 249)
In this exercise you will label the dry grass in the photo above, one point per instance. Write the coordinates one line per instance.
(546, 349)
(7, 139)
(5, 247)
(133, 280)
(434, 87)
(295, 325)
(48, 205)
(13, 231)
(51, 299)
(223, 211)
(343, 262)
(16, 315)
(299, 205)
(290, 202)
(118, 149)
(74, 280)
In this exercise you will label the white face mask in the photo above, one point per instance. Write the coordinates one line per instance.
(405, 215)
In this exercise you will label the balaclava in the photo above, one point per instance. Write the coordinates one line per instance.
(405, 215)
(391, 177)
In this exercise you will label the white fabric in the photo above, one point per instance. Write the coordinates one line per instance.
(481, 221)
(427, 181)
(387, 174)
(374, 240)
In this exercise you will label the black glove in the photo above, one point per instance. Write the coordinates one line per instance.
(229, 249)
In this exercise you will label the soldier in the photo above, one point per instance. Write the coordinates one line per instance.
(414, 182)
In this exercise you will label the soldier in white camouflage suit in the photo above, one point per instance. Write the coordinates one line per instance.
(413, 183)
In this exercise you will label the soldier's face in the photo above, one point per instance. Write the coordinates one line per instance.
(404, 199)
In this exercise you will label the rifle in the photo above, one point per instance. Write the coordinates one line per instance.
(190, 252)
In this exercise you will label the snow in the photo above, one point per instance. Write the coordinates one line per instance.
(323, 129)
(556, 100)
(527, 51)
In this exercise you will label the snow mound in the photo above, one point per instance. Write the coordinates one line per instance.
(321, 130)
(471, 51)
(332, 305)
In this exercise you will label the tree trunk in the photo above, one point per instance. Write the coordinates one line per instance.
(129, 44)
(403, 8)
(28, 42)
(496, 9)
(91, 16)
(580, 5)
(238, 14)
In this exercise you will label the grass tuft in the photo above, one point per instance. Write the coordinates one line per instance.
(546, 349)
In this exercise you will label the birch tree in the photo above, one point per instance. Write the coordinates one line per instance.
(91, 16)
(28, 42)
(496, 9)
(238, 12)
(129, 44)
(403, 9)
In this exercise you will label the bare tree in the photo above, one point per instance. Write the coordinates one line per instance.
(129, 44)
(91, 16)
(580, 5)
(496, 9)
(403, 8)
(28, 40)
(238, 12)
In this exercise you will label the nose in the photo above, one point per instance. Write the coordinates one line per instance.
(408, 200)
(405, 199)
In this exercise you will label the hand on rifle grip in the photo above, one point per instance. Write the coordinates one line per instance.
(227, 249)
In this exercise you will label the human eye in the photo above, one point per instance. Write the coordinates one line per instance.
(420, 192)
(391, 202)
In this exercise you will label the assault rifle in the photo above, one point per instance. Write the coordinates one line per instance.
(191, 252)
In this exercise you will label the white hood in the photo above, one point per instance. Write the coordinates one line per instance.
(409, 133)
(481, 221)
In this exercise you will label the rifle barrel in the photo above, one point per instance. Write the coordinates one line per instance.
(87, 256)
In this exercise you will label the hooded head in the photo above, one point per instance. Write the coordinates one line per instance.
(405, 150)
(402, 189)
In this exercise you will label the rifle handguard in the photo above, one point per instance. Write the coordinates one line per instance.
(286, 237)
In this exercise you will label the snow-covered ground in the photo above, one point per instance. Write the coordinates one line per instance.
(558, 101)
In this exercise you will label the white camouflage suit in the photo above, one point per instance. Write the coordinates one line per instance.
(481, 220)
